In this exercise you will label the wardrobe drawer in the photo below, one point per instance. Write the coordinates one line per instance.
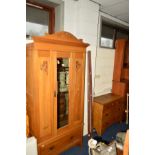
(63, 143)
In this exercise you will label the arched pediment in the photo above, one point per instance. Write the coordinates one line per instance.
(63, 37)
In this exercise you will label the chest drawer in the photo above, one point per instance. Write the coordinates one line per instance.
(107, 109)
(109, 106)
(111, 109)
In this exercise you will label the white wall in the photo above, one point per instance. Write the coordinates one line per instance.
(104, 65)
(59, 16)
(81, 19)
(104, 71)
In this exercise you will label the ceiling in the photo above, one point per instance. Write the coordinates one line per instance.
(116, 8)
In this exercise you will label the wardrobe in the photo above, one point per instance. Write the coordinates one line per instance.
(55, 73)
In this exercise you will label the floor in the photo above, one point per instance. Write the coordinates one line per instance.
(108, 136)
(78, 150)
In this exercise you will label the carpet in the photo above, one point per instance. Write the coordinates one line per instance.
(77, 150)
(108, 136)
(111, 132)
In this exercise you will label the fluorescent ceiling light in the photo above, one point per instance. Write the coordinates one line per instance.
(36, 6)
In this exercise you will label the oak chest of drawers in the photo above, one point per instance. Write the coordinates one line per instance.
(107, 109)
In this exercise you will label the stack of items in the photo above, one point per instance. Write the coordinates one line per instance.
(120, 138)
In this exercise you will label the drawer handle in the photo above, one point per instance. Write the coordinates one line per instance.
(106, 114)
(71, 137)
(51, 148)
(106, 123)
(42, 146)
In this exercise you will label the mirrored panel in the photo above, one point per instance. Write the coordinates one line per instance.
(63, 91)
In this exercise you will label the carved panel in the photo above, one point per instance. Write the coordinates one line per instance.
(44, 96)
(78, 65)
(78, 84)
(44, 67)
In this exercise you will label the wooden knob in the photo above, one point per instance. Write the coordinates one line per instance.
(42, 146)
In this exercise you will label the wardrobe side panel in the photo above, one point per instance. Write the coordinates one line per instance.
(78, 79)
(45, 102)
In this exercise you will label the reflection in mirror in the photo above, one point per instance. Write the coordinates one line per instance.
(63, 91)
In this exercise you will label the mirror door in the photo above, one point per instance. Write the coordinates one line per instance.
(63, 91)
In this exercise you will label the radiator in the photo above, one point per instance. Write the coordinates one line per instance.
(31, 146)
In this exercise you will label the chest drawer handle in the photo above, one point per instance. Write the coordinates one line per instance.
(106, 114)
(106, 123)
(51, 148)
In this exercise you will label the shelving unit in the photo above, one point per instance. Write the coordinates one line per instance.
(121, 68)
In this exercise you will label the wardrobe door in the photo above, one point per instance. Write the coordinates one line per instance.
(62, 93)
(45, 98)
(78, 82)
